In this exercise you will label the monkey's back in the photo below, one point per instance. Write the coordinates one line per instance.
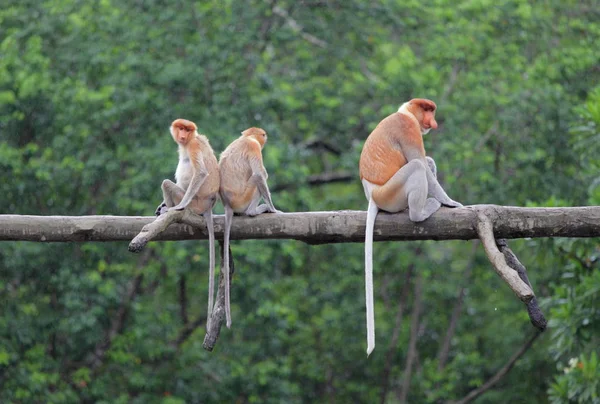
(210, 186)
(213, 181)
(382, 155)
(235, 169)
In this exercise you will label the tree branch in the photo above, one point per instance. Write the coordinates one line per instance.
(508, 274)
(218, 313)
(318, 227)
(501, 373)
(533, 309)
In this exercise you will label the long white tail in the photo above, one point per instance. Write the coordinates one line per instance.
(211, 272)
(371, 215)
(228, 220)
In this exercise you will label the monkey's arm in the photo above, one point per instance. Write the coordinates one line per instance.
(200, 174)
(434, 187)
(259, 177)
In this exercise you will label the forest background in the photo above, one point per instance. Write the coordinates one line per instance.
(87, 91)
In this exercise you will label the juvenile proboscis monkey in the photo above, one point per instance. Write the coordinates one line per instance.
(396, 175)
(197, 185)
(243, 184)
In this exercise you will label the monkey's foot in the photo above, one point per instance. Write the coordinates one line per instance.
(452, 204)
(160, 209)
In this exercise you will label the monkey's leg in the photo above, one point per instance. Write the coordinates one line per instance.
(225, 269)
(434, 187)
(263, 189)
(172, 195)
(211, 271)
(254, 208)
(407, 188)
(432, 166)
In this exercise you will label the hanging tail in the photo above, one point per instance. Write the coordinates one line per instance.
(371, 215)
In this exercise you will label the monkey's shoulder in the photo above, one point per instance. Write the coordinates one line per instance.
(203, 144)
(251, 145)
(399, 124)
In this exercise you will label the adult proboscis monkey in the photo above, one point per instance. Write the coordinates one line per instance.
(396, 174)
(243, 184)
(197, 185)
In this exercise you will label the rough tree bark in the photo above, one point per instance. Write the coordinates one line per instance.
(318, 227)
(218, 314)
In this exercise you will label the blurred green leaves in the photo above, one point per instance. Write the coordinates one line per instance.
(87, 91)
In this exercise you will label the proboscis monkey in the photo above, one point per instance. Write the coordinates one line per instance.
(197, 185)
(396, 175)
(243, 184)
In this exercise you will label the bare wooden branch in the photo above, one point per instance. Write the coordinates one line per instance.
(153, 229)
(510, 276)
(318, 227)
(161, 223)
(500, 373)
(218, 314)
(533, 309)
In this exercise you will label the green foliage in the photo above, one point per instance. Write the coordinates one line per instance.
(87, 91)
(579, 383)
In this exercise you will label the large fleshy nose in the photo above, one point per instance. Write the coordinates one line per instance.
(433, 124)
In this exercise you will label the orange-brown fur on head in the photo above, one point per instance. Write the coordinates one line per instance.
(424, 110)
(257, 134)
(183, 131)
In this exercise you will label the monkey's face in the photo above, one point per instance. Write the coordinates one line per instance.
(183, 131)
(424, 111)
(428, 122)
(182, 134)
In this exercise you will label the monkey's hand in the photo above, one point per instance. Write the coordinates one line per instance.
(160, 209)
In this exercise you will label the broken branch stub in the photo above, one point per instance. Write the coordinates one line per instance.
(533, 309)
(217, 318)
(161, 223)
(485, 231)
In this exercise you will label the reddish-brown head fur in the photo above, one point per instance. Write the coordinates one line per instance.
(256, 133)
(183, 131)
(424, 110)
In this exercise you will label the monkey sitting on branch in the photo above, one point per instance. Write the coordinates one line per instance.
(396, 174)
(243, 184)
(196, 188)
